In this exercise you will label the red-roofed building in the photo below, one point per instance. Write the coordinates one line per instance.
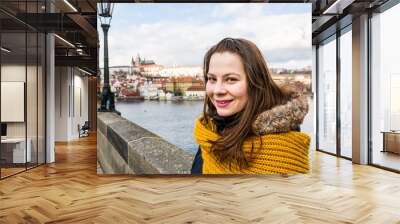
(196, 92)
(196, 88)
(128, 92)
(179, 85)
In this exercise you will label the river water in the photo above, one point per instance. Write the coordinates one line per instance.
(174, 121)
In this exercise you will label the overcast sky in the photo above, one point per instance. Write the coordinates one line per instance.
(180, 34)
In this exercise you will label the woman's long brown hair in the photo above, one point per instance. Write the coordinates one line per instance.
(263, 94)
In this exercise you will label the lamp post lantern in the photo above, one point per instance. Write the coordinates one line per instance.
(107, 97)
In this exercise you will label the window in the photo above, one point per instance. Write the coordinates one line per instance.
(346, 93)
(327, 96)
(22, 68)
(385, 87)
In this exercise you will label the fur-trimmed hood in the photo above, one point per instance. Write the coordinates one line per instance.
(283, 118)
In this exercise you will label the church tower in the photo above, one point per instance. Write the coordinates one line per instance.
(132, 62)
(137, 60)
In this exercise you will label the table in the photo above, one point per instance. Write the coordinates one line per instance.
(391, 141)
(15, 148)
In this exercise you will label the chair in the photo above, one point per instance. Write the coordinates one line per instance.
(84, 130)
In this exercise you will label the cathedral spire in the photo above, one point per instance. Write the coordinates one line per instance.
(137, 60)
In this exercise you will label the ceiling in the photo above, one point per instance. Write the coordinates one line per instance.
(329, 16)
(76, 22)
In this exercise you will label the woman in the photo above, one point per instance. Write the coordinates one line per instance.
(249, 124)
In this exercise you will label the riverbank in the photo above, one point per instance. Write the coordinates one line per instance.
(156, 98)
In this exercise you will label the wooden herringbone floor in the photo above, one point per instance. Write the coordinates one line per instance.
(70, 191)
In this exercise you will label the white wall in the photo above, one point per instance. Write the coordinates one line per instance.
(61, 103)
(14, 72)
(17, 73)
(33, 125)
(71, 94)
(80, 109)
(12, 101)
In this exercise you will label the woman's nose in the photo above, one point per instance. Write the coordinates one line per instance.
(219, 88)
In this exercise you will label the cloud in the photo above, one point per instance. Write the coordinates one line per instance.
(237, 10)
(282, 38)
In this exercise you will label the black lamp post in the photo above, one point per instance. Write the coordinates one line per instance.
(107, 97)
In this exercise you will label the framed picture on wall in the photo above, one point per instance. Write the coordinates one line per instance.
(12, 101)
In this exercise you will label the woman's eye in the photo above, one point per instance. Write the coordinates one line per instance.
(231, 79)
(212, 79)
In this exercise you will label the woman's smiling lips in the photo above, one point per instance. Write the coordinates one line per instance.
(223, 103)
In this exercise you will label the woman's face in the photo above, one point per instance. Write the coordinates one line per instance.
(227, 83)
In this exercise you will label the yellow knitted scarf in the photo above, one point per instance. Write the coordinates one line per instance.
(279, 153)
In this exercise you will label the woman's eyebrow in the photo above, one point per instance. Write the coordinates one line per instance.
(230, 73)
